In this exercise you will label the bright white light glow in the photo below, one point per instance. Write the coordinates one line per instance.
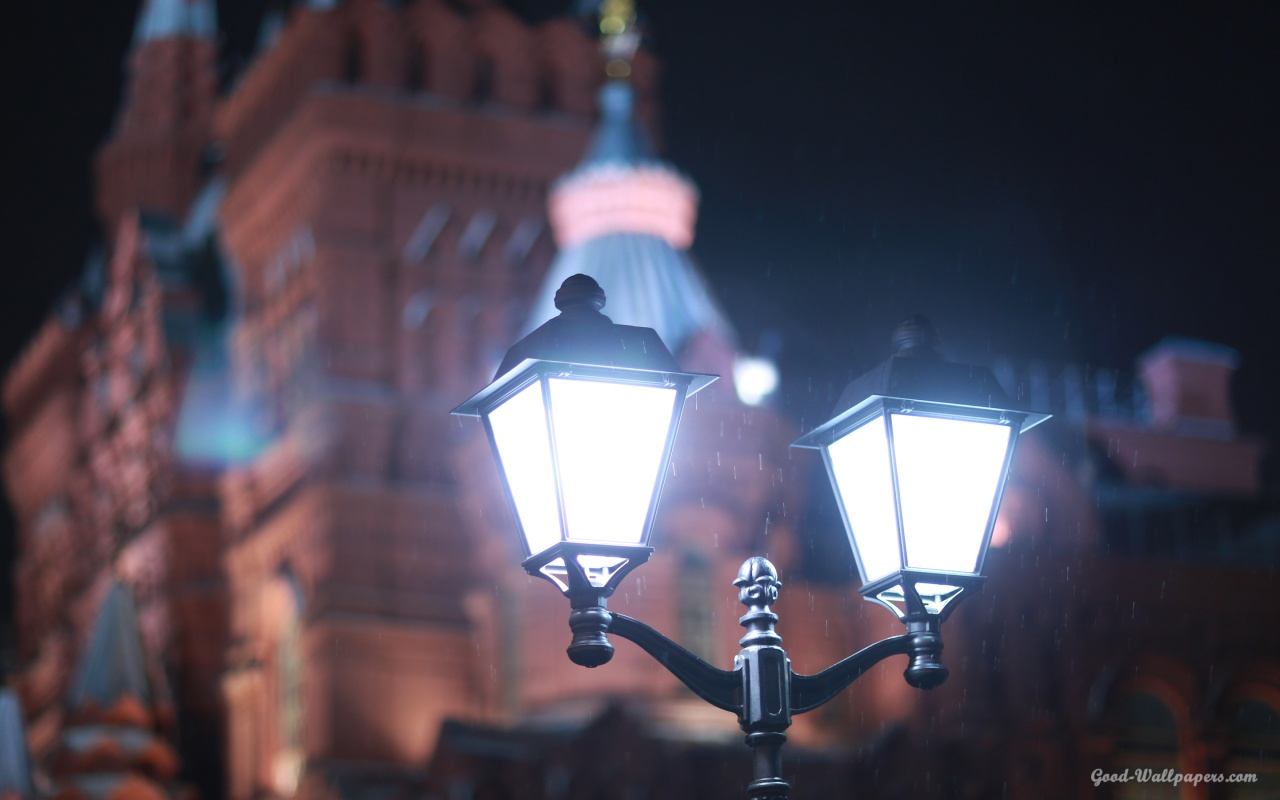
(286, 769)
(754, 379)
(610, 439)
(860, 463)
(948, 473)
(524, 448)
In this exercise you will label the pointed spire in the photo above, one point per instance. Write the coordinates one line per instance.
(15, 762)
(619, 37)
(162, 19)
(114, 665)
(618, 140)
(111, 744)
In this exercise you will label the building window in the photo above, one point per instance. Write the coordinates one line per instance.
(482, 91)
(415, 78)
(1146, 735)
(352, 58)
(290, 710)
(1255, 748)
(697, 615)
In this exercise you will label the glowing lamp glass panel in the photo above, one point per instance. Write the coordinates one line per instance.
(861, 471)
(523, 443)
(583, 459)
(949, 474)
(610, 440)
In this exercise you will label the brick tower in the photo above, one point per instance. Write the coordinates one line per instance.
(386, 174)
(94, 400)
(240, 412)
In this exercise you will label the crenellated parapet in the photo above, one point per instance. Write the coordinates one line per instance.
(421, 52)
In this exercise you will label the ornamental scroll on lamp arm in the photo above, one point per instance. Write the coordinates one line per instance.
(581, 419)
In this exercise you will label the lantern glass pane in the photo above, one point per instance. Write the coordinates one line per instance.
(524, 447)
(860, 468)
(610, 442)
(948, 475)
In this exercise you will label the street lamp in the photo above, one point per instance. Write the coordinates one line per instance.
(582, 417)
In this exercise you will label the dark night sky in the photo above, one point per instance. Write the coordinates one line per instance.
(1065, 180)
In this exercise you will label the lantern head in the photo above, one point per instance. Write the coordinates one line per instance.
(918, 454)
(581, 418)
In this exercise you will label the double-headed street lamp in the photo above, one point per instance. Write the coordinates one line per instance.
(582, 417)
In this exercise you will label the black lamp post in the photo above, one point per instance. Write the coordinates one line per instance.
(582, 417)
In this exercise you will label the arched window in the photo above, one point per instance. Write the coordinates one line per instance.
(352, 60)
(416, 68)
(287, 676)
(1146, 736)
(696, 614)
(546, 100)
(1255, 748)
(483, 89)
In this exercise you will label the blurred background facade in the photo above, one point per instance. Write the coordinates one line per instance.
(257, 558)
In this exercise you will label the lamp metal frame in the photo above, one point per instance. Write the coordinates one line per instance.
(534, 370)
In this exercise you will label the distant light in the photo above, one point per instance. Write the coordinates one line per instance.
(617, 68)
(754, 378)
(286, 771)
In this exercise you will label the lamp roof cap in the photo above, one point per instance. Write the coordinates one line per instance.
(583, 335)
(917, 371)
(582, 340)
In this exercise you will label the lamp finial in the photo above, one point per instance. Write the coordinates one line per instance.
(579, 292)
(915, 337)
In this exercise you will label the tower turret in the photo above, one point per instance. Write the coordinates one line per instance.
(112, 745)
(16, 778)
(152, 159)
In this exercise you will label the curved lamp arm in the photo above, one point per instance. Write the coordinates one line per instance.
(762, 689)
(811, 691)
(718, 687)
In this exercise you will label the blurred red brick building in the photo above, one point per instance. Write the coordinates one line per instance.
(241, 415)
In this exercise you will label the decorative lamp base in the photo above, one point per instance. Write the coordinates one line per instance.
(588, 574)
(590, 646)
(925, 640)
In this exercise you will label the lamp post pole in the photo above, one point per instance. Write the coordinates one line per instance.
(765, 712)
